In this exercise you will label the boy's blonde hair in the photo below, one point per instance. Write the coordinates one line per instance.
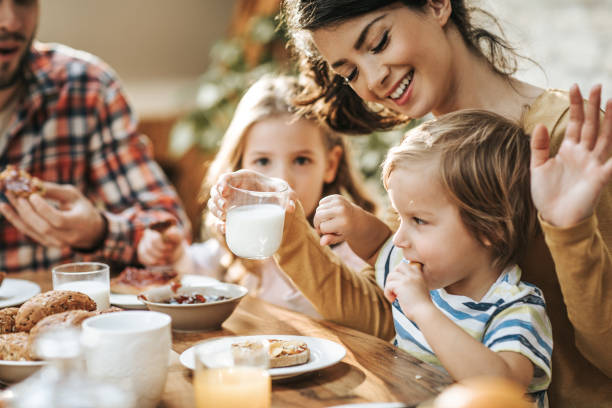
(268, 97)
(484, 168)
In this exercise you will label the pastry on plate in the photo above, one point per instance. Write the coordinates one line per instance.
(282, 353)
(48, 303)
(14, 346)
(7, 319)
(133, 281)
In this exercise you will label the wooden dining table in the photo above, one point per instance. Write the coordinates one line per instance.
(373, 370)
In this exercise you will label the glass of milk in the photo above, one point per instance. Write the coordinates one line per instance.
(90, 278)
(255, 216)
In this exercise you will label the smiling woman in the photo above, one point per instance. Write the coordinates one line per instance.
(364, 44)
(372, 64)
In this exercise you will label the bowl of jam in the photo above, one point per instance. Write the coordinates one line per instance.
(195, 308)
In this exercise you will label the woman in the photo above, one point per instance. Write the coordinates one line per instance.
(374, 64)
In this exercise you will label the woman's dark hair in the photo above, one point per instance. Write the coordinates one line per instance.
(327, 96)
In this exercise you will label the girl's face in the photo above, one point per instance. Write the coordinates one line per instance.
(432, 233)
(294, 151)
(396, 56)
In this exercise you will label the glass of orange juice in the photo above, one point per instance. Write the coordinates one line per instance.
(232, 374)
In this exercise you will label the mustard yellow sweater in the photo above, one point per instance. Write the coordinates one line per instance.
(571, 265)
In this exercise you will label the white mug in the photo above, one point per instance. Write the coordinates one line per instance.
(129, 349)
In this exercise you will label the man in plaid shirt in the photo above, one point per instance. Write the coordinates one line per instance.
(64, 119)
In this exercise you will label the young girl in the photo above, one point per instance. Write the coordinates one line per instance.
(460, 185)
(265, 136)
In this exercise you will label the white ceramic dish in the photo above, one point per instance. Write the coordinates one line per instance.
(323, 353)
(198, 316)
(132, 302)
(14, 292)
(15, 371)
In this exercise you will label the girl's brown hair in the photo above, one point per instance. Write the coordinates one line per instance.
(484, 167)
(271, 96)
(326, 94)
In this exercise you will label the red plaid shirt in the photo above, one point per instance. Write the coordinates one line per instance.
(74, 126)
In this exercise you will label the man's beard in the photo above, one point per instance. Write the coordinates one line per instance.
(18, 74)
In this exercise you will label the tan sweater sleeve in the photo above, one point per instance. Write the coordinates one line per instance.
(583, 265)
(581, 253)
(339, 294)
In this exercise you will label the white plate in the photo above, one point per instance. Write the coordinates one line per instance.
(132, 302)
(323, 353)
(15, 371)
(14, 292)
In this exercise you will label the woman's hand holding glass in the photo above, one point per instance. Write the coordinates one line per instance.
(565, 188)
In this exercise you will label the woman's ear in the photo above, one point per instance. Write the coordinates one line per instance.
(333, 161)
(441, 10)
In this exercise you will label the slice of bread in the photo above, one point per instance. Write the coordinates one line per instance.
(287, 353)
(282, 353)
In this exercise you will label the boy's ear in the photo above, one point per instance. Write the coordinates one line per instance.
(333, 161)
(441, 10)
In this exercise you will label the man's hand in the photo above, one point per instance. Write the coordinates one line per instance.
(75, 222)
(565, 188)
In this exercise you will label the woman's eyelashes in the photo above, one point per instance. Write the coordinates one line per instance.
(384, 40)
(379, 47)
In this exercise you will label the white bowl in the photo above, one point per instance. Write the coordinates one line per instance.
(199, 316)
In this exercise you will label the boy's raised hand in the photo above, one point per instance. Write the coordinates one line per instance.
(161, 249)
(406, 284)
(337, 219)
(565, 188)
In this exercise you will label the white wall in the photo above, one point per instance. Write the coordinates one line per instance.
(570, 39)
(158, 47)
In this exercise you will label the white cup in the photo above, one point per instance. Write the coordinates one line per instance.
(129, 349)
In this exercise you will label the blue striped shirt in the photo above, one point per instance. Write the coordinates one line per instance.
(511, 316)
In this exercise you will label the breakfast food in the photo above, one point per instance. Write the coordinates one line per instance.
(283, 353)
(71, 318)
(7, 319)
(14, 346)
(133, 281)
(161, 226)
(20, 327)
(19, 182)
(48, 303)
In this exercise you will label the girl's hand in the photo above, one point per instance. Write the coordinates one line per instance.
(406, 284)
(337, 219)
(161, 249)
(220, 193)
(565, 188)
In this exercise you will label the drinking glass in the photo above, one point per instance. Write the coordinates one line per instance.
(90, 278)
(255, 216)
(229, 377)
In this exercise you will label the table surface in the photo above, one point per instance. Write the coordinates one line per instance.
(372, 371)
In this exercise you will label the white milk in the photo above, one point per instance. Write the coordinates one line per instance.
(254, 231)
(98, 291)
